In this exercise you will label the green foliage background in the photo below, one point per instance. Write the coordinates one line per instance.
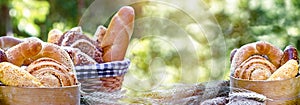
(241, 22)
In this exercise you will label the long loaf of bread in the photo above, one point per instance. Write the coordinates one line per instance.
(117, 35)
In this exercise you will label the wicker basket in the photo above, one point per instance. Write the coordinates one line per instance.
(106, 77)
(104, 84)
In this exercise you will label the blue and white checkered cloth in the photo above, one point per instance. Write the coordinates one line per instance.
(109, 69)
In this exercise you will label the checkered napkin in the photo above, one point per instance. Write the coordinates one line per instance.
(109, 69)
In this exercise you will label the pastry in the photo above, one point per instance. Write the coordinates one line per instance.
(13, 75)
(272, 53)
(51, 73)
(288, 70)
(20, 53)
(255, 67)
(116, 39)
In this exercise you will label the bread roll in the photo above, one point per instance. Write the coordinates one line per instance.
(54, 35)
(118, 33)
(24, 51)
(7, 42)
(13, 75)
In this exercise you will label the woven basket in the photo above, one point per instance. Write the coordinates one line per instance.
(106, 77)
(104, 84)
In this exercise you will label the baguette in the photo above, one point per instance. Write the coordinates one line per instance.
(117, 35)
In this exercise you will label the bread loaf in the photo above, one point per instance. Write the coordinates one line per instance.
(89, 49)
(117, 35)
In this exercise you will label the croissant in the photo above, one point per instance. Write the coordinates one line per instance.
(288, 70)
(273, 53)
(255, 67)
(13, 75)
(51, 73)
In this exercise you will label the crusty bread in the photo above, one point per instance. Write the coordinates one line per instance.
(117, 35)
(273, 53)
(71, 36)
(13, 75)
(89, 49)
(7, 42)
(286, 71)
(78, 57)
(54, 35)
